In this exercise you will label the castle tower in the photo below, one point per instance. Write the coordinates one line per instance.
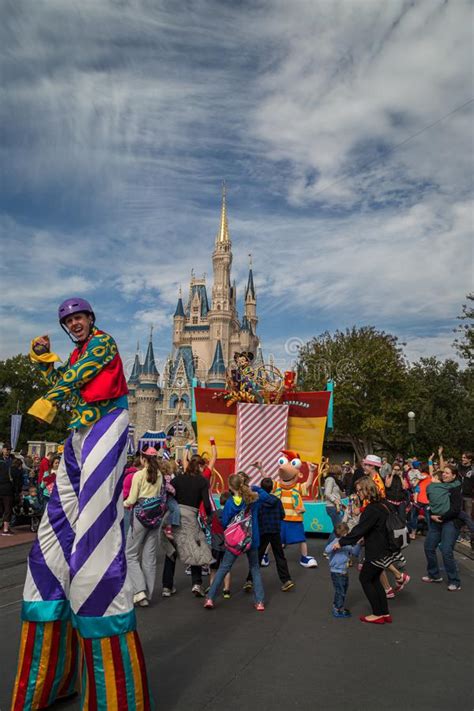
(250, 308)
(178, 322)
(147, 392)
(132, 386)
(216, 375)
(222, 312)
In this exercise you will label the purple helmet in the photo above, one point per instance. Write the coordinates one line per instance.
(74, 306)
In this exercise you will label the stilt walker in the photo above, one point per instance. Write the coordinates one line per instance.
(78, 616)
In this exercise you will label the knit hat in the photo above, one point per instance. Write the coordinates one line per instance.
(373, 460)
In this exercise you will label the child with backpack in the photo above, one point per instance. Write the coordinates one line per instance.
(218, 544)
(242, 535)
(148, 498)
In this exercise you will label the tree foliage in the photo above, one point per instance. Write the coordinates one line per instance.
(20, 385)
(369, 371)
(375, 388)
(464, 343)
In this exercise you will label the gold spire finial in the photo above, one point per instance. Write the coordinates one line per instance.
(223, 234)
(250, 261)
(151, 331)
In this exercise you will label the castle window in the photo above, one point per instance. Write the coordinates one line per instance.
(195, 320)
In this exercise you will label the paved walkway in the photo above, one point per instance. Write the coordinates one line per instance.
(294, 655)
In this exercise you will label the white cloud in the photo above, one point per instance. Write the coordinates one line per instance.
(121, 118)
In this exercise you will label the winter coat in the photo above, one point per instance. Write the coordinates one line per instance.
(189, 540)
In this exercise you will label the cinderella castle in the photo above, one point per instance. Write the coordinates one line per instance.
(206, 334)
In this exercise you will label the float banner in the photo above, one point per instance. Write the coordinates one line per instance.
(15, 426)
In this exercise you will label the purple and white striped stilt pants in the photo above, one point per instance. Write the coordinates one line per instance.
(79, 555)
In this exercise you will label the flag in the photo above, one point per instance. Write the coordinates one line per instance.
(261, 435)
(15, 426)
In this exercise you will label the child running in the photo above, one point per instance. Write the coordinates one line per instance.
(218, 543)
(242, 498)
(338, 564)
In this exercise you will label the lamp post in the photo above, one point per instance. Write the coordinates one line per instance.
(412, 429)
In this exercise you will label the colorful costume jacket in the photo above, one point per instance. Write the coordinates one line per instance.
(91, 383)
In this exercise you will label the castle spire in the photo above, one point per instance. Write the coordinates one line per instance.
(250, 290)
(149, 366)
(223, 234)
(135, 374)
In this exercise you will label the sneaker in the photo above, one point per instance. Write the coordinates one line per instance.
(167, 592)
(287, 586)
(308, 561)
(247, 586)
(265, 562)
(139, 597)
(259, 606)
(197, 590)
(226, 594)
(405, 579)
(144, 603)
(209, 604)
(205, 570)
(326, 555)
(7, 533)
(452, 587)
(187, 570)
(427, 579)
(341, 614)
(390, 594)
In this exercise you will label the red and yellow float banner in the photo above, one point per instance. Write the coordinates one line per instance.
(307, 415)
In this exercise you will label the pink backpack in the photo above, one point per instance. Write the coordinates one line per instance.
(238, 534)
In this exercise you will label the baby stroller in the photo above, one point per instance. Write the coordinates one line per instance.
(28, 511)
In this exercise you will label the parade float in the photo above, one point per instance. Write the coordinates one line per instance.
(254, 419)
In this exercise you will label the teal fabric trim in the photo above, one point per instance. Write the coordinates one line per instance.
(45, 611)
(127, 665)
(35, 663)
(99, 627)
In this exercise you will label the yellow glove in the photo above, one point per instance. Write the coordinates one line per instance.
(43, 410)
(44, 357)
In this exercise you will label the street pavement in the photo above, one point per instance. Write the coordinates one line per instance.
(294, 655)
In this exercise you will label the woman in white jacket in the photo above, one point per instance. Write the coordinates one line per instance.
(333, 497)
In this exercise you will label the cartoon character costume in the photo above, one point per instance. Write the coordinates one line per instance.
(291, 493)
(77, 613)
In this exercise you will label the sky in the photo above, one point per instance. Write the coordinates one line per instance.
(343, 130)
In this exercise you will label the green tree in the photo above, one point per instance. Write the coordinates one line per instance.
(464, 344)
(20, 385)
(370, 374)
(442, 396)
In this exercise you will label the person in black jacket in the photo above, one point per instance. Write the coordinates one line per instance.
(443, 532)
(372, 527)
(7, 495)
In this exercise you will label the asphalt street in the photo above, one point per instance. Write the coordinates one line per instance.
(294, 655)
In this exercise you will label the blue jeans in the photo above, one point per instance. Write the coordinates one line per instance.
(226, 566)
(336, 517)
(446, 535)
(174, 516)
(341, 583)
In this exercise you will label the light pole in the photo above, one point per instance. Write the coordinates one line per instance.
(412, 429)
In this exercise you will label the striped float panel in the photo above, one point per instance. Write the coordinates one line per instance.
(261, 435)
(307, 413)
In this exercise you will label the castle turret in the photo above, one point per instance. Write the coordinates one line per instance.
(250, 309)
(147, 391)
(178, 322)
(217, 370)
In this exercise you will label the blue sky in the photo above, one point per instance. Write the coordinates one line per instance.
(120, 119)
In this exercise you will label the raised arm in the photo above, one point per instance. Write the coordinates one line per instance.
(442, 462)
(213, 457)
